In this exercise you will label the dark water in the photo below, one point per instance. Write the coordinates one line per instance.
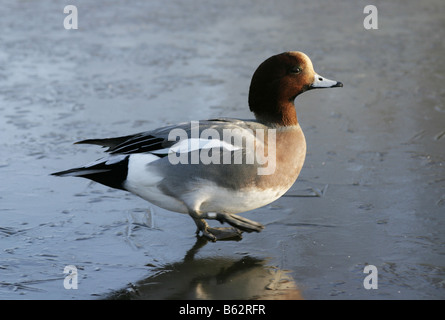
(372, 191)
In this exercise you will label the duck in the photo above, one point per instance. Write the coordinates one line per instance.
(217, 169)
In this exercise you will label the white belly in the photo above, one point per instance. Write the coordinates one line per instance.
(199, 196)
(212, 198)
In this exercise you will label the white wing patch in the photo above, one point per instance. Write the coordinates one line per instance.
(142, 180)
(139, 174)
(193, 144)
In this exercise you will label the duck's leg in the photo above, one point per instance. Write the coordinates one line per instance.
(214, 234)
(236, 221)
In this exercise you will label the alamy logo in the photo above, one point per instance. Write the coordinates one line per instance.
(70, 281)
(231, 146)
(371, 280)
(70, 21)
(371, 20)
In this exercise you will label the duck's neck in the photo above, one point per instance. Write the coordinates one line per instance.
(282, 114)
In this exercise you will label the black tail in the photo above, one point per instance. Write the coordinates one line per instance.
(108, 172)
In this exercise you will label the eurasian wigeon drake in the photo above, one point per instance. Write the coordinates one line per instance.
(214, 169)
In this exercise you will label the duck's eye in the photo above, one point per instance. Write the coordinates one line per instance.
(295, 70)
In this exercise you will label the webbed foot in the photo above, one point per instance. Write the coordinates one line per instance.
(214, 234)
(236, 221)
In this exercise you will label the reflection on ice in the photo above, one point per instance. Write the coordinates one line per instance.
(213, 278)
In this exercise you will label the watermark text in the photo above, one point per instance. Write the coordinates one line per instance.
(70, 21)
(70, 281)
(226, 146)
(371, 20)
(371, 281)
